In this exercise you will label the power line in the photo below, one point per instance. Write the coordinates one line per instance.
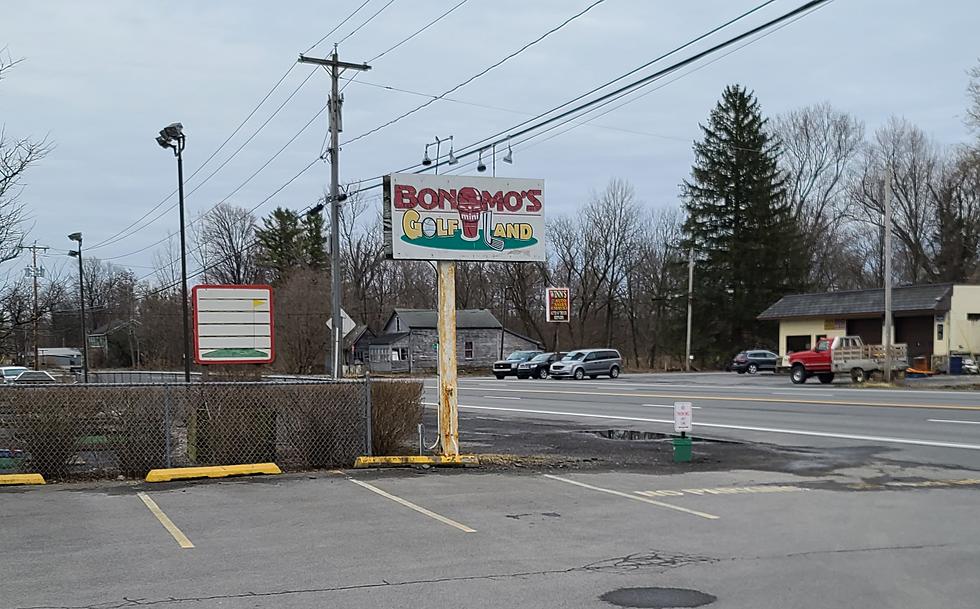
(791, 17)
(478, 74)
(369, 19)
(213, 173)
(206, 161)
(339, 25)
(244, 121)
(403, 41)
(635, 85)
(237, 188)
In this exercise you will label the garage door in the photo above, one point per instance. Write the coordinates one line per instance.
(916, 332)
(868, 329)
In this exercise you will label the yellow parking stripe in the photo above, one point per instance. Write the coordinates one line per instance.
(168, 524)
(634, 497)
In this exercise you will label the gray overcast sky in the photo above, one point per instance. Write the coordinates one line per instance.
(102, 77)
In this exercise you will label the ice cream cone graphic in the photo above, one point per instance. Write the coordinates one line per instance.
(470, 207)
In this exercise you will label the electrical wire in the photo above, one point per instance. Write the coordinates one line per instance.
(369, 19)
(478, 74)
(204, 164)
(339, 25)
(487, 143)
(791, 16)
(216, 170)
(248, 117)
(237, 188)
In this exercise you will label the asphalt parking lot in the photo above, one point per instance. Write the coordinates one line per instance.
(859, 536)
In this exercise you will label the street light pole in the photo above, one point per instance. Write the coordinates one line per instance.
(77, 237)
(172, 136)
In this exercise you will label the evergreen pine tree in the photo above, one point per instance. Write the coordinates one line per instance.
(314, 242)
(280, 243)
(740, 227)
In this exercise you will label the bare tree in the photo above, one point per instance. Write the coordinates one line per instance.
(16, 156)
(226, 245)
(819, 144)
(973, 92)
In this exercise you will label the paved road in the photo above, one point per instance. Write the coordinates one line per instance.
(937, 427)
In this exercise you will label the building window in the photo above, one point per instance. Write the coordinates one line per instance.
(394, 355)
(973, 316)
(403, 354)
(468, 349)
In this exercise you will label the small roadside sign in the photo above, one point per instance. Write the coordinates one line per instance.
(683, 416)
(233, 324)
(556, 304)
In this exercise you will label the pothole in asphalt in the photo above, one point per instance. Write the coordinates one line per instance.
(658, 598)
(648, 436)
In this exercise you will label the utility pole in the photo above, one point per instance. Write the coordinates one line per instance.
(34, 274)
(334, 104)
(690, 300)
(888, 279)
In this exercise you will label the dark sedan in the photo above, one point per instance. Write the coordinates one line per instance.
(508, 367)
(538, 365)
(754, 361)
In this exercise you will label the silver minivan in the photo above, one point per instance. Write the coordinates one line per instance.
(588, 362)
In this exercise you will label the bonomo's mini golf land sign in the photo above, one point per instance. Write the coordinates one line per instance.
(454, 217)
(233, 324)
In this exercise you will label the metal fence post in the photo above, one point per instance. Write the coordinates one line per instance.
(368, 414)
(167, 424)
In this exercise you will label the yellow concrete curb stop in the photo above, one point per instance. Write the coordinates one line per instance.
(396, 460)
(11, 479)
(216, 471)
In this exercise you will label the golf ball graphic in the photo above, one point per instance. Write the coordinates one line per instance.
(429, 227)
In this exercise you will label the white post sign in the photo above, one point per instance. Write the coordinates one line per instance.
(683, 416)
(455, 217)
(233, 324)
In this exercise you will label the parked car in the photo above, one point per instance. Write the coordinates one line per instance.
(591, 362)
(754, 361)
(508, 367)
(34, 376)
(538, 365)
(11, 372)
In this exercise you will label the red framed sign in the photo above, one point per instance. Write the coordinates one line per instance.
(233, 324)
(556, 305)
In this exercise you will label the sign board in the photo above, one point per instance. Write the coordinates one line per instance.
(453, 217)
(683, 416)
(233, 324)
(834, 324)
(556, 304)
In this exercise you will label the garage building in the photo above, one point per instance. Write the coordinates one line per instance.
(934, 320)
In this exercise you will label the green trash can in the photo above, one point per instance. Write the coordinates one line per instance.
(682, 450)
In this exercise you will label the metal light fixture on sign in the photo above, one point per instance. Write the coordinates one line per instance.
(425, 159)
(509, 157)
(452, 158)
(480, 166)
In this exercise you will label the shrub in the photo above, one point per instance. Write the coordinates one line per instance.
(396, 409)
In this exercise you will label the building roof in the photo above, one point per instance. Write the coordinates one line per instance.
(388, 339)
(470, 319)
(537, 343)
(931, 297)
(356, 334)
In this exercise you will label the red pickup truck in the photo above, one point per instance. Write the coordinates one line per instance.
(843, 354)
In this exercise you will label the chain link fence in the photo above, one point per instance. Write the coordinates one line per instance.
(107, 430)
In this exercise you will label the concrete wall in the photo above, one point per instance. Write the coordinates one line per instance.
(960, 333)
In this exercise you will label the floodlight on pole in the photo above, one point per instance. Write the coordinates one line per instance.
(172, 136)
(77, 238)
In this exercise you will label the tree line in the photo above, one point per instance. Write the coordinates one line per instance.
(772, 206)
